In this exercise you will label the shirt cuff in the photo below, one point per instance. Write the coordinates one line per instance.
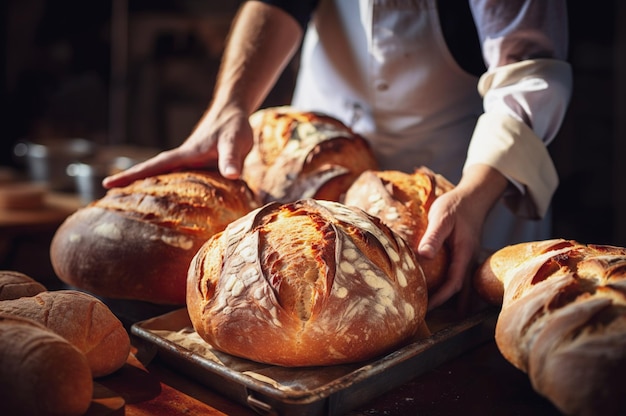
(511, 147)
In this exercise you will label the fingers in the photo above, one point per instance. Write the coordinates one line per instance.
(440, 225)
(230, 161)
(432, 240)
(163, 162)
(447, 221)
(458, 273)
(232, 150)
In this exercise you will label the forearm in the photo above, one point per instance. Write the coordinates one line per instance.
(261, 43)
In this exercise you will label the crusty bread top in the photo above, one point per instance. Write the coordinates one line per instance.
(300, 154)
(402, 201)
(83, 320)
(14, 285)
(323, 283)
(492, 276)
(201, 202)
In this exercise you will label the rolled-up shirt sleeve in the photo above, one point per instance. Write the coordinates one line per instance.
(526, 91)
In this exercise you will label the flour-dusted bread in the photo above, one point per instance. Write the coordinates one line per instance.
(41, 373)
(563, 320)
(137, 241)
(299, 154)
(402, 201)
(83, 320)
(14, 285)
(306, 283)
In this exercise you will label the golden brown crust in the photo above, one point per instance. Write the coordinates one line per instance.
(489, 278)
(14, 285)
(300, 154)
(306, 283)
(40, 372)
(402, 201)
(137, 241)
(83, 320)
(563, 320)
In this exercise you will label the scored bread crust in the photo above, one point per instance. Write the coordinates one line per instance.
(81, 319)
(303, 154)
(137, 241)
(14, 285)
(306, 283)
(41, 373)
(563, 320)
(402, 201)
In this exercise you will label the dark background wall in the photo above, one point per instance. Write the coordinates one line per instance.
(142, 72)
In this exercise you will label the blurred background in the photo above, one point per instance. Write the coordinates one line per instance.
(134, 76)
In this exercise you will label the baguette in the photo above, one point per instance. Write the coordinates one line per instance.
(563, 320)
(83, 320)
(41, 373)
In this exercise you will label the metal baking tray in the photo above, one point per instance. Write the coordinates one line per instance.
(312, 391)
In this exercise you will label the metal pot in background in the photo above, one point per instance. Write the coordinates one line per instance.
(88, 175)
(46, 160)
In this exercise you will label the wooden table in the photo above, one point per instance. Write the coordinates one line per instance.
(25, 235)
(478, 382)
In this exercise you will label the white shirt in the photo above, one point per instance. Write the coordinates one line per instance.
(383, 68)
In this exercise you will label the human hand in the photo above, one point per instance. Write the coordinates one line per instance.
(221, 140)
(456, 218)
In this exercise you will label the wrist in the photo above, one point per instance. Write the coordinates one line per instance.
(481, 185)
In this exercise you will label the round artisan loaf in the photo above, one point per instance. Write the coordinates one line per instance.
(306, 283)
(299, 155)
(137, 241)
(41, 373)
(14, 285)
(83, 320)
(563, 320)
(402, 201)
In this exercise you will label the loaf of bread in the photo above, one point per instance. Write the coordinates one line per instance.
(83, 320)
(563, 320)
(14, 284)
(41, 373)
(300, 155)
(402, 201)
(137, 241)
(307, 283)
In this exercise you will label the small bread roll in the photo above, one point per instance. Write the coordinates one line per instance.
(14, 284)
(83, 320)
(41, 373)
(306, 283)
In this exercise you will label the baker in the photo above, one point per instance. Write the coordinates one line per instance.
(473, 90)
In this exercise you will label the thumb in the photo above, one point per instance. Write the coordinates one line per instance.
(232, 147)
(437, 231)
(230, 167)
(230, 159)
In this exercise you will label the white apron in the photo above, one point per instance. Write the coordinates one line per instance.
(383, 68)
